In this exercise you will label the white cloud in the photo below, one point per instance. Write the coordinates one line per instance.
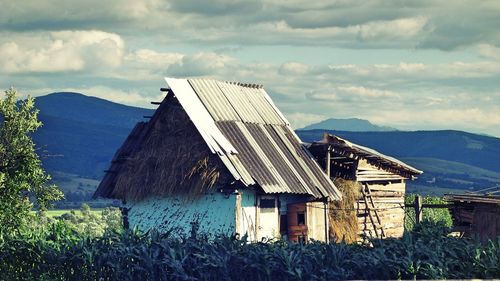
(152, 58)
(132, 97)
(489, 51)
(202, 64)
(299, 120)
(471, 119)
(60, 51)
(350, 93)
(293, 68)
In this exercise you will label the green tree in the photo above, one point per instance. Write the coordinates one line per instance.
(23, 182)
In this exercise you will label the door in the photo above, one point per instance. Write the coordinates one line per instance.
(268, 217)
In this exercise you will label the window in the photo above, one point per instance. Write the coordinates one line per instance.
(268, 203)
(301, 218)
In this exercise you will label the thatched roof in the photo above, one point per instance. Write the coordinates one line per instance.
(349, 150)
(229, 132)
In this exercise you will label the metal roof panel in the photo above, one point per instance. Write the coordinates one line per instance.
(216, 102)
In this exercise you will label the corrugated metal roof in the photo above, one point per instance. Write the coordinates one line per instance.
(267, 152)
(341, 144)
(196, 110)
(214, 99)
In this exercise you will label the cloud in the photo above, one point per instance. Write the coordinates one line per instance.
(293, 68)
(131, 97)
(201, 64)
(299, 120)
(489, 52)
(358, 24)
(350, 93)
(89, 14)
(60, 51)
(472, 119)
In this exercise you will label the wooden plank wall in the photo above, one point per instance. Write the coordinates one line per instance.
(388, 191)
(475, 219)
(388, 199)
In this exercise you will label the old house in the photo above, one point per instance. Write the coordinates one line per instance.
(380, 180)
(476, 214)
(220, 157)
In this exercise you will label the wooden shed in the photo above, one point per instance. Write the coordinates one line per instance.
(381, 178)
(221, 157)
(476, 215)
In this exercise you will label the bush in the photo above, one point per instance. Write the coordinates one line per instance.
(90, 223)
(434, 215)
(61, 253)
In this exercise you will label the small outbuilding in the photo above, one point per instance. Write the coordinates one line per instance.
(219, 157)
(476, 215)
(380, 181)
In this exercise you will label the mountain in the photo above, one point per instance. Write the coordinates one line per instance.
(350, 124)
(77, 107)
(81, 134)
(449, 159)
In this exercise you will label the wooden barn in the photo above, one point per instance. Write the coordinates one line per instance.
(221, 158)
(476, 215)
(380, 180)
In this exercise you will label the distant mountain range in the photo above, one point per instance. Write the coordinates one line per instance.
(449, 159)
(349, 124)
(81, 134)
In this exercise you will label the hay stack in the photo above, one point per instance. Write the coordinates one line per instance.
(343, 218)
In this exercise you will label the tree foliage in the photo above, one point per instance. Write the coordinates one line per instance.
(23, 182)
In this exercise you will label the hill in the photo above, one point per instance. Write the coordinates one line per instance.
(449, 159)
(81, 134)
(349, 124)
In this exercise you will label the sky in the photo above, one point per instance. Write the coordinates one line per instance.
(412, 65)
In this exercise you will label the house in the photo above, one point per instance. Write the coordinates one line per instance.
(476, 214)
(220, 157)
(380, 182)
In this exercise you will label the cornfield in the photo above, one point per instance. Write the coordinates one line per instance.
(59, 253)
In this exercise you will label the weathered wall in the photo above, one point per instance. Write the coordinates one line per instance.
(316, 221)
(248, 215)
(388, 199)
(215, 213)
(251, 219)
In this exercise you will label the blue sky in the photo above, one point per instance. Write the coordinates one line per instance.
(406, 64)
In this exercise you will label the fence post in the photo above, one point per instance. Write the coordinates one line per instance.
(418, 209)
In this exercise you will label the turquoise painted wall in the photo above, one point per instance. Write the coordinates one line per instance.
(214, 212)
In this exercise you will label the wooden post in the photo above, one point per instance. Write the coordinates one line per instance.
(418, 209)
(237, 208)
(327, 224)
(328, 161)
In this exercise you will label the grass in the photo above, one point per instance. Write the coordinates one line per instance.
(70, 182)
(60, 212)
